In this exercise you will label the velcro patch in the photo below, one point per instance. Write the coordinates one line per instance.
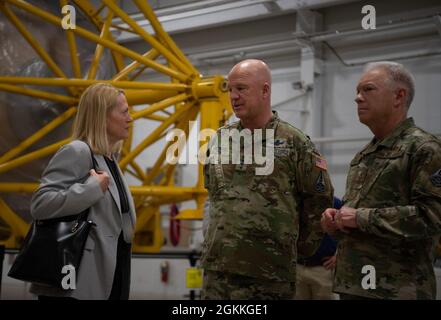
(436, 178)
(281, 152)
(320, 162)
(320, 183)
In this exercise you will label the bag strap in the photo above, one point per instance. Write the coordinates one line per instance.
(85, 214)
(94, 162)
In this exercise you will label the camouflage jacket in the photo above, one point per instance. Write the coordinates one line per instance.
(259, 223)
(395, 185)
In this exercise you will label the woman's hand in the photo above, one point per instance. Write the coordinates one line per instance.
(103, 178)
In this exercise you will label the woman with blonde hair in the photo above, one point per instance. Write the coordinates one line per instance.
(70, 185)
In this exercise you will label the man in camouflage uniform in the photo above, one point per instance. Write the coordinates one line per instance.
(259, 223)
(392, 205)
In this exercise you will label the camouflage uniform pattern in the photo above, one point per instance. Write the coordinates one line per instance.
(258, 224)
(227, 286)
(395, 185)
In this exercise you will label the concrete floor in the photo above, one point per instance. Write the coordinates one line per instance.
(146, 283)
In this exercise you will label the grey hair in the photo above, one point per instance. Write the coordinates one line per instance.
(397, 75)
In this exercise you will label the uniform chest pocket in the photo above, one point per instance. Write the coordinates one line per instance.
(278, 182)
(385, 160)
(383, 169)
(281, 158)
(357, 174)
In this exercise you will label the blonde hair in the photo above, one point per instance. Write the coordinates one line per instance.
(90, 124)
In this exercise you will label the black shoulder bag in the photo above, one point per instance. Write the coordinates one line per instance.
(51, 245)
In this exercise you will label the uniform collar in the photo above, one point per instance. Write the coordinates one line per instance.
(391, 138)
(271, 124)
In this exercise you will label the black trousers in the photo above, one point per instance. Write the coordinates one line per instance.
(121, 279)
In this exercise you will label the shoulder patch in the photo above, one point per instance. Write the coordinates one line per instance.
(436, 178)
(320, 183)
(320, 162)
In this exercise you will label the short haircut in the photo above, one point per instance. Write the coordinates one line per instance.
(398, 75)
(90, 124)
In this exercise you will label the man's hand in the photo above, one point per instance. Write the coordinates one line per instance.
(346, 218)
(103, 178)
(329, 262)
(328, 221)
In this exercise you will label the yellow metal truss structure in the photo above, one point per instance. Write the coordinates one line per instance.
(171, 105)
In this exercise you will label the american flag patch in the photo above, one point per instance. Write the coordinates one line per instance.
(321, 163)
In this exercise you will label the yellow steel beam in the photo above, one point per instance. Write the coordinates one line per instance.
(155, 117)
(156, 169)
(150, 16)
(167, 179)
(166, 191)
(183, 125)
(143, 216)
(18, 225)
(139, 72)
(132, 173)
(33, 43)
(99, 48)
(123, 29)
(90, 11)
(160, 105)
(127, 145)
(39, 94)
(210, 87)
(164, 200)
(147, 141)
(151, 55)
(207, 95)
(71, 42)
(143, 174)
(11, 242)
(168, 114)
(147, 96)
(134, 97)
(211, 118)
(148, 237)
(138, 170)
(93, 14)
(32, 156)
(159, 197)
(18, 187)
(147, 37)
(38, 135)
(58, 82)
(93, 37)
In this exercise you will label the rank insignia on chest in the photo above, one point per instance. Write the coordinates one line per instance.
(436, 178)
(321, 163)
